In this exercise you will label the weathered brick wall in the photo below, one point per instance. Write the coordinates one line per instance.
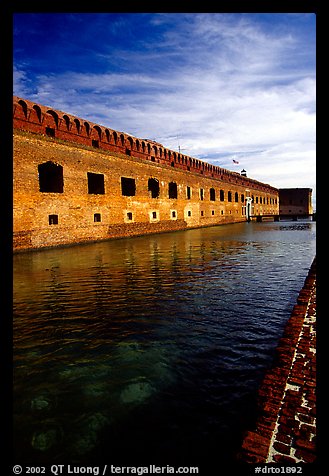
(118, 215)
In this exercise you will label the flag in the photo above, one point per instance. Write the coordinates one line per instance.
(235, 161)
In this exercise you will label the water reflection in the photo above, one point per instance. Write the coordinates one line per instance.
(153, 345)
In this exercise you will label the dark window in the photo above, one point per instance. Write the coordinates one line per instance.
(154, 215)
(50, 177)
(172, 190)
(152, 158)
(236, 197)
(201, 193)
(128, 152)
(242, 197)
(189, 213)
(212, 194)
(213, 212)
(95, 183)
(202, 213)
(53, 219)
(188, 193)
(129, 215)
(50, 131)
(95, 143)
(221, 195)
(229, 196)
(128, 187)
(97, 217)
(153, 187)
(173, 214)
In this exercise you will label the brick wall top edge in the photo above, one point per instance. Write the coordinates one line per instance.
(30, 106)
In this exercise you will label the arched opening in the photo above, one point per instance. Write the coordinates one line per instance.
(54, 115)
(38, 111)
(67, 121)
(24, 107)
(87, 127)
(98, 131)
(77, 124)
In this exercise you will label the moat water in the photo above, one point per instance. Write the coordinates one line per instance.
(150, 350)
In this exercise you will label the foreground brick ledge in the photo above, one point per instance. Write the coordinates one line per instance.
(285, 430)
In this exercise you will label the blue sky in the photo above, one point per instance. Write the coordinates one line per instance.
(219, 86)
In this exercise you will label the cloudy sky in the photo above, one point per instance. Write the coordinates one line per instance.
(217, 86)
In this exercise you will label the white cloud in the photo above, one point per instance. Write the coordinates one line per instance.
(213, 84)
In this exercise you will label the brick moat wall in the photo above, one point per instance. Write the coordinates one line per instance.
(285, 431)
(67, 190)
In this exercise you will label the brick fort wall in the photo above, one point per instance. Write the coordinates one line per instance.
(75, 181)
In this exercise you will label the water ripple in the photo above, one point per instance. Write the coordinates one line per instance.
(174, 330)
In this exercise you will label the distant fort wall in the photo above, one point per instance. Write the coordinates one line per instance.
(76, 181)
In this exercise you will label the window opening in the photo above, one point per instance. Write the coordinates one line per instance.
(50, 177)
(95, 143)
(201, 193)
(172, 190)
(229, 196)
(221, 195)
(128, 186)
(50, 131)
(188, 193)
(212, 194)
(129, 215)
(95, 183)
(97, 217)
(53, 219)
(154, 187)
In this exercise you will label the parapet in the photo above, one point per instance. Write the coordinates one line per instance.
(38, 119)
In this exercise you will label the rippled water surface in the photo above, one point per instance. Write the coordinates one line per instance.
(151, 349)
